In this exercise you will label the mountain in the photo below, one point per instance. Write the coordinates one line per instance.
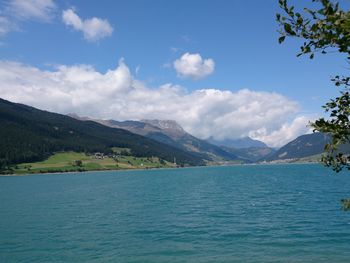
(169, 127)
(303, 146)
(240, 143)
(245, 149)
(251, 154)
(28, 134)
(171, 133)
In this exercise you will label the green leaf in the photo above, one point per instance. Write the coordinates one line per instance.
(281, 39)
(288, 29)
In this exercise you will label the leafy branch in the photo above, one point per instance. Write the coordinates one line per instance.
(325, 29)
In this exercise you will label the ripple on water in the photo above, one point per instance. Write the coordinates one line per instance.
(280, 213)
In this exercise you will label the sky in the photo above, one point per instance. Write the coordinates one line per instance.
(213, 66)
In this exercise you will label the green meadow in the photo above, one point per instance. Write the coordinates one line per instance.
(73, 161)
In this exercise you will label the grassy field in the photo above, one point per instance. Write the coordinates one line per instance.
(73, 161)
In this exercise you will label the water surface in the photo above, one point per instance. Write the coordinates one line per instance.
(275, 213)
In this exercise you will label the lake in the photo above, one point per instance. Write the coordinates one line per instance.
(255, 213)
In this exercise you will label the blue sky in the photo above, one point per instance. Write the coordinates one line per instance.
(239, 36)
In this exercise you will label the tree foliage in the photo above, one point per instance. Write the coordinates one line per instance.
(325, 29)
(78, 163)
(338, 126)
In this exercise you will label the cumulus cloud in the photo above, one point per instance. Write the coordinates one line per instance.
(193, 66)
(93, 29)
(42, 10)
(286, 133)
(116, 94)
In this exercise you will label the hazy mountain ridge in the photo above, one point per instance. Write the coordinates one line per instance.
(252, 154)
(245, 142)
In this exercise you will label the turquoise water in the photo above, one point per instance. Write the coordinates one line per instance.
(277, 213)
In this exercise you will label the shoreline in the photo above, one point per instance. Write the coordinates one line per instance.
(155, 168)
(89, 171)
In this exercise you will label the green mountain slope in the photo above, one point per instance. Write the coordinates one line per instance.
(28, 134)
(303, 146)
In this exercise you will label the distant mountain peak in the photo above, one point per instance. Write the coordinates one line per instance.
(245, 142)
(165, 125)
(77, 117)
(171, 133)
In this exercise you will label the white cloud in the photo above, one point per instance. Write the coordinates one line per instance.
(193, 66)
(15, 12)
(116, 94)
(5, 25)
(42, 10)
(286, 133)
(94, 28)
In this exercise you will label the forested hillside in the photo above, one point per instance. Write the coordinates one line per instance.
(28, 134)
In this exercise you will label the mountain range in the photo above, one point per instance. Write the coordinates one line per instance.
(168, 131)
(171, 133)
(29, 134)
